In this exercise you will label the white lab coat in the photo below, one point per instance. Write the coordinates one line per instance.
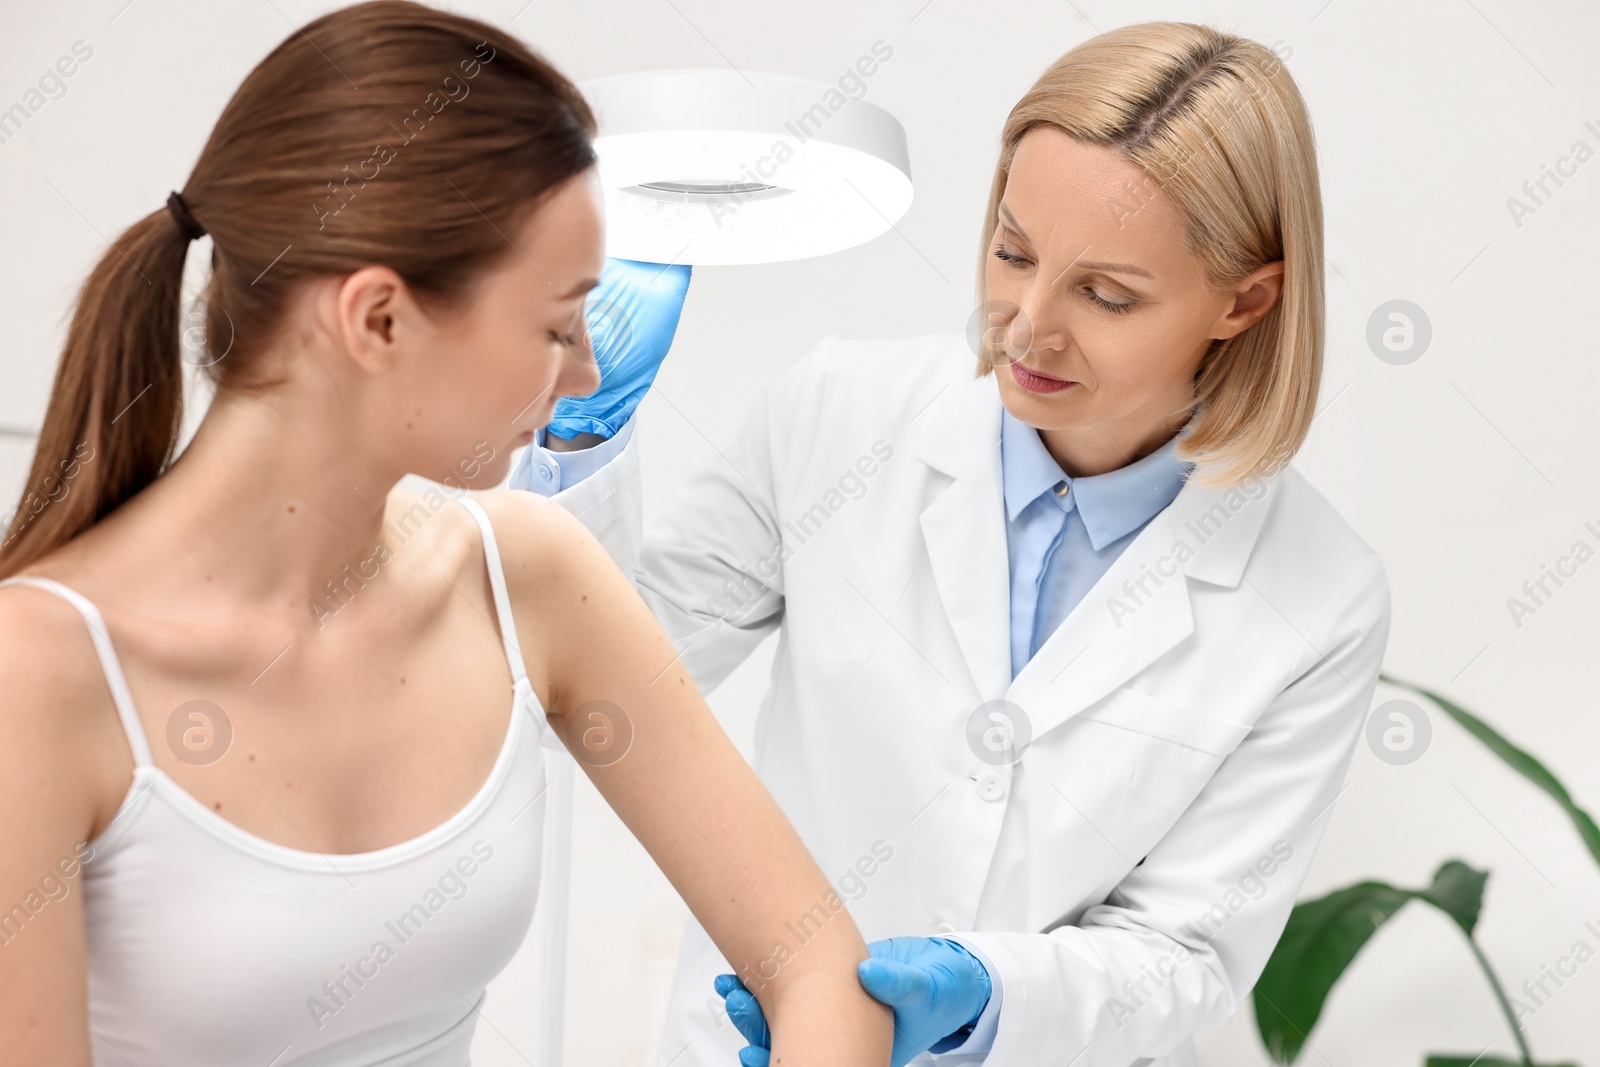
(1191, 720)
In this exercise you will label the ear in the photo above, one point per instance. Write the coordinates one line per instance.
(375, 310)
(1252, 298)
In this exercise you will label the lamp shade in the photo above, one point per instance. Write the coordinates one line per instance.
(706, 166)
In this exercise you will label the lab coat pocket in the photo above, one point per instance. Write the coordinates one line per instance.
(1113, 778)
(1169, 751)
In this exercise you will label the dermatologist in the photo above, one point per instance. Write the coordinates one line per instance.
(1071, 662)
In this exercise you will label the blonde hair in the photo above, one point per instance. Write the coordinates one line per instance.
(1218, 122)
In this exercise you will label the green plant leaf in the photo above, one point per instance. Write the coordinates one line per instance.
(1324, 935)
(1517, 759)
(1457, 890)
(1320, 940)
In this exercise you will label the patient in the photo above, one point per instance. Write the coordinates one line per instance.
(273, 727)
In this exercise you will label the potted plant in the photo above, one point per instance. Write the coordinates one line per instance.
(1324, 935)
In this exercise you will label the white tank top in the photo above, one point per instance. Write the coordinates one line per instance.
(211, 947)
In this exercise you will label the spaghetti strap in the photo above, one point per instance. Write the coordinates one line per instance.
(497, 581)
(121, 696)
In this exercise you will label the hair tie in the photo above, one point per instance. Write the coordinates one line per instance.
(187, 224)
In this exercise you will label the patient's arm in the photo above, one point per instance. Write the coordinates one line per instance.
(684, 789)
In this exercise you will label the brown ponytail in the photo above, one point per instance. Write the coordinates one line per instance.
(118, 395)
(386, 132)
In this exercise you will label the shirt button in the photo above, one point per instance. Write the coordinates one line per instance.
(991, 786)
(545, 472)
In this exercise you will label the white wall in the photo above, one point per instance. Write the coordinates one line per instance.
(1467, 469)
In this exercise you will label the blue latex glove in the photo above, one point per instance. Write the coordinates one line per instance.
(935, 986)
(746, 1015)
(631, 317)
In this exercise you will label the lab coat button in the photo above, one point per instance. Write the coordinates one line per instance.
(991, 786)
(946, 928)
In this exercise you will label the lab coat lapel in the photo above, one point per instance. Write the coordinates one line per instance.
(963, 528)
(1140, 608)
(1110, 635)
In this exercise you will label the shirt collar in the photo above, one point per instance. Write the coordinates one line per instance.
(1111, 504)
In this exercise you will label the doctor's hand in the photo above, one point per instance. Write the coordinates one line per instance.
(935, 986)
(631, 317)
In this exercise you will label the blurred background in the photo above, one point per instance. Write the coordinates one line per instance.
(1466, 459)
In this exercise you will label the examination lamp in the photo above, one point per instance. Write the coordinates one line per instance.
(718, 167)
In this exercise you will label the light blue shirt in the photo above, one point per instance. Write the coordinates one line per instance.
(1063, 533)
(547, 473)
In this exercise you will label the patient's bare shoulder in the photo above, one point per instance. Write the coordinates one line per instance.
(558, 575)
(66, 760)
